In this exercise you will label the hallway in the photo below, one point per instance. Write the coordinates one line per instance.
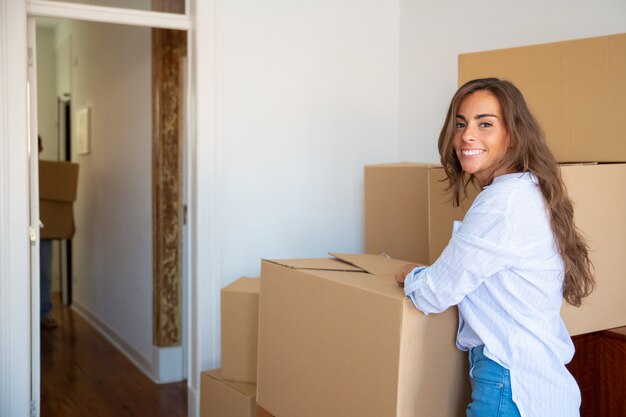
(82, 374)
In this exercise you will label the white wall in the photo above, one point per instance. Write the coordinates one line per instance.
(312, 92)
(433, 34)
(112, 272)
(47, 92)
(309, 95)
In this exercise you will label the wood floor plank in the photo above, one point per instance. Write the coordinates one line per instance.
(82, 374)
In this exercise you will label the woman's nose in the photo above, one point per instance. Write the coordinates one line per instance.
(469, 133)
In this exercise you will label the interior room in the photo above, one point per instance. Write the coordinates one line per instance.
(282, 107)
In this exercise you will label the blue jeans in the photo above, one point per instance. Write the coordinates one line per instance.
(45, 277)
(491, 388)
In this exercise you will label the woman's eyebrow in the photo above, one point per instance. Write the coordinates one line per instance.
(480, 116)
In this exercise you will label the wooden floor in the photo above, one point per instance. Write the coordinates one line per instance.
(82, 374)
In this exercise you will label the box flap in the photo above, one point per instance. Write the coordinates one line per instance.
(374, 264)
(320, 264)
(247, 389)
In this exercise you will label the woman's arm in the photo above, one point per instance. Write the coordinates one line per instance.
(480, 248)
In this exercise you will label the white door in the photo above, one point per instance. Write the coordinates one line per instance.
(34, 216)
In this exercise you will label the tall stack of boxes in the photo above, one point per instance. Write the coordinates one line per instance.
(568, 86)
(231, 390)
(337, 336)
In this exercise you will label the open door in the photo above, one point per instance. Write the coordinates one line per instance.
(35, 392)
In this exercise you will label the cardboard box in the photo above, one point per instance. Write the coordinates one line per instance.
(57, 193)
(262, 412)
(408, 212)
(567, 84)
(240, 327)
(338, 337)
(219, 398)
(57, 218)
(401, 212)
(599, 196)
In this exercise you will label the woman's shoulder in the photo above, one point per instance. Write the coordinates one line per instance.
(507, 192)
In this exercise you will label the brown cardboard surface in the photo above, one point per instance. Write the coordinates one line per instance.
(262, 412)
(566, 84)
(599, 208)
(219, 398)
(57, 192)
(240, 318)
(337, 343)
(599, 197)
(408, 213)
(57, 218)
(395, 209)
(57, 181)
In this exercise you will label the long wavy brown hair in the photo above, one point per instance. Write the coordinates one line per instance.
(528, 152)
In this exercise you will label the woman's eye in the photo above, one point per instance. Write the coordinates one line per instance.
(485, 124)
(460, 125)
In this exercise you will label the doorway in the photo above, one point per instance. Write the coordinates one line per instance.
(98, 279)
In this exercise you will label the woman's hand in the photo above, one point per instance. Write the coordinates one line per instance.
(401, 273)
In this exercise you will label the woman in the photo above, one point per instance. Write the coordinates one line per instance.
(511, 261)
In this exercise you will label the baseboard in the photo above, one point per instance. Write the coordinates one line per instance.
(193, 403)
(167, 363)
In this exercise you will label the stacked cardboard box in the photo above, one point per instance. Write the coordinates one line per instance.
(338, 338)
(408, 212)
(240, 325)
(427, 226)
(220, 398)
(231, 390)
(597, 192)
(567, 84)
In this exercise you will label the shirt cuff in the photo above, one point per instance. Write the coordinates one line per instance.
(414, 280)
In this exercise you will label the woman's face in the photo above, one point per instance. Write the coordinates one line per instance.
(480, 136)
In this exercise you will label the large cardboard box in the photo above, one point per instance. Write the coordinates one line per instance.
(408, 212)
(57, 192)
(338, 338)
(567, 84)
(599, 196)
(240, 327)
(219, 398)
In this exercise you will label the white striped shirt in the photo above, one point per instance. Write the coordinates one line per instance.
(503, 271)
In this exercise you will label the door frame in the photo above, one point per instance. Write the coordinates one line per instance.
(40, 8)
(15, 263)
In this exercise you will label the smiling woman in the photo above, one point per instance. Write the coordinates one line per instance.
(516, 254)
